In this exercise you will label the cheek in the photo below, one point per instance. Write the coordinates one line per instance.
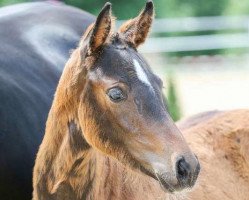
(127, 116)
(130, 122)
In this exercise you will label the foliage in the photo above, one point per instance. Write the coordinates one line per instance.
(173, 104)
(121, 8)
(164, 8)
(237, 7)
(124, 9)
(9, 2)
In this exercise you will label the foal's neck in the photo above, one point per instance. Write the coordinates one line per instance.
(66, 164)
(94, 176)
(78, 172)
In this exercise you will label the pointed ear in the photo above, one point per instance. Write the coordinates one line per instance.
(136, 30)
(97, 33)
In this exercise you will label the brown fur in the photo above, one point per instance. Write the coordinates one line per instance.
(88, 174)
(221, 143)
(62, 173)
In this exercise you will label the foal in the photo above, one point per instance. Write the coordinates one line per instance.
(108, 133)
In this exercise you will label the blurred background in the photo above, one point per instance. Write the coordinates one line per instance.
(198, 47)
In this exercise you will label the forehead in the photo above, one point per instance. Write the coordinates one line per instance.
(124, 64)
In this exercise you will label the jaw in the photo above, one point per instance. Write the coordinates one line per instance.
(173, 188)
(166, 187)
(149, 171)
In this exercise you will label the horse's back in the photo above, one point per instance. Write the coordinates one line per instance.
(196, 119)
(220, 140)
(35, 42)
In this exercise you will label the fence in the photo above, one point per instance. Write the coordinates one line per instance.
(190, 25)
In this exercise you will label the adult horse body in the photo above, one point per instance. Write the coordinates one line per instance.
(35, 42)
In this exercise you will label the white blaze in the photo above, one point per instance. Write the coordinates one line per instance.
(142, 76)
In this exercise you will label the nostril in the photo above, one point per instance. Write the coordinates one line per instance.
(182, 169)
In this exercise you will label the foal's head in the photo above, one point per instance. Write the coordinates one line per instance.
(121, 110)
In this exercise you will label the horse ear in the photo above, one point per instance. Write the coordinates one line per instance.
(136, 30)
(97, 33)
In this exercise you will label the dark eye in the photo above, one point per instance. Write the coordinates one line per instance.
(116, 94)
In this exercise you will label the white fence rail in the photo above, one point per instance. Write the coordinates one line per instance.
(240, 39)
(196, 43)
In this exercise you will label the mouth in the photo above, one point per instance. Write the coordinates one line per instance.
(169, 188)
(166, 187)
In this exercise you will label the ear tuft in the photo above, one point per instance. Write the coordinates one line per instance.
(106, 11)
(149, 6)
(107, 6)
(135, 31)
(100, 30)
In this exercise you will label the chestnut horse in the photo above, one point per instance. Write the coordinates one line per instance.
(108, 134)
(221, 142)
